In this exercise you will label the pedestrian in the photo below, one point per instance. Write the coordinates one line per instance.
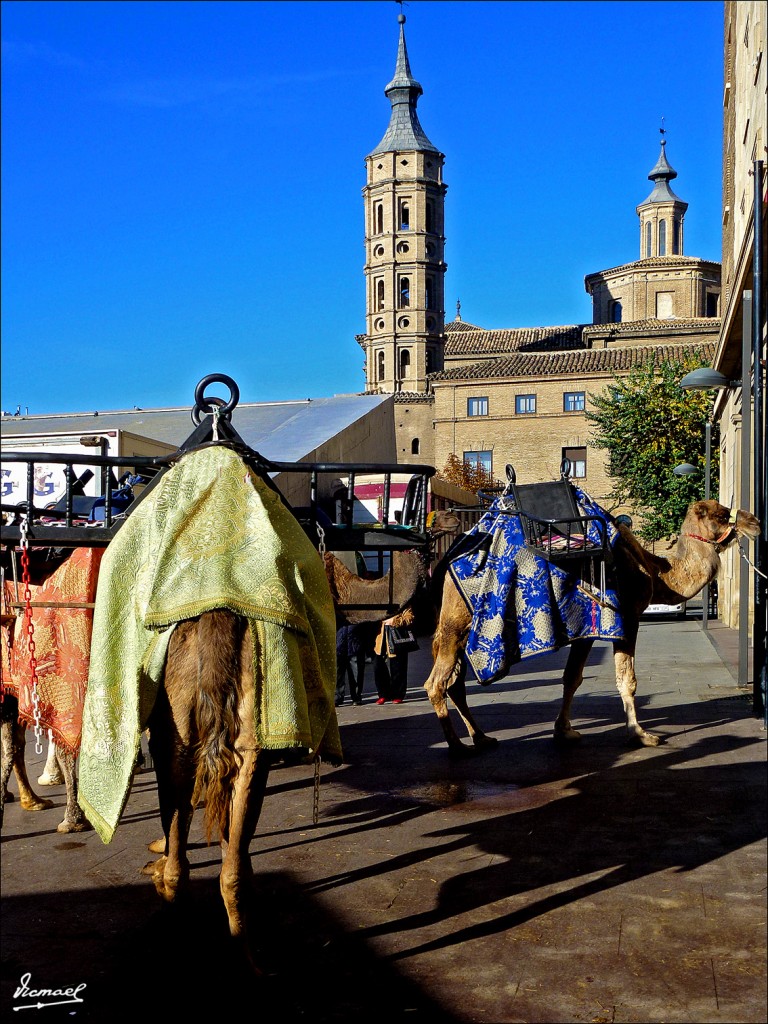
(390, 672)
(350, 662)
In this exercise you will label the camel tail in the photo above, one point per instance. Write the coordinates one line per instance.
(218, 693)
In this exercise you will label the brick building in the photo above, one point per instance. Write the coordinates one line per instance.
(510, 396)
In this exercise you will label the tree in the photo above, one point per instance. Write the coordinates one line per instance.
(648, 425)
(472, 476)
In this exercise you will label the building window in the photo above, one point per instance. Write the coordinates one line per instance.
(662, 238)
(525, 404)
(477, 407)
(405, 292)
(479, 460)
(648, 251)
(415, 446)
(429, 361)
(573, 401)
(676, 236)
(711, 307)
(378, 218)
(405, 215)
(616, 312)
(430, 217)
(405, 363)
(380, 366)
(578, 460)
(664, 306)
(380, 296)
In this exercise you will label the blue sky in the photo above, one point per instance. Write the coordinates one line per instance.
(181, 182)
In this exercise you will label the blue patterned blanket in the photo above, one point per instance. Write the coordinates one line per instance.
(522, 604)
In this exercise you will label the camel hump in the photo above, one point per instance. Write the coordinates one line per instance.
(217, 698)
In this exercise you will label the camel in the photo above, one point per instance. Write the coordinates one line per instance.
(13, 735)
(410, 570)
(202, 738)
(642, 578)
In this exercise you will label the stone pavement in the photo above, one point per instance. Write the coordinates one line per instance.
(603, 883)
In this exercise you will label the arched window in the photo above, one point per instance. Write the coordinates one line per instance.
(676, 236)
(405, 292)
(430, 360)
(378, 218)
(380, 366)
(616, 312)
(662, 238)
(430, 219)
(379, 296)
(405, 363)
(429, 293)
(415, 446)
(648, 251)
(405, 215)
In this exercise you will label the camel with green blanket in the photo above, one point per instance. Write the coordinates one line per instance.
(214, 627)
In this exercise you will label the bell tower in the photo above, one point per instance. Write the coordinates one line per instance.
(404, 200)
(662, 213)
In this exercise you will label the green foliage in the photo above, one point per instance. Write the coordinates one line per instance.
(648, 425)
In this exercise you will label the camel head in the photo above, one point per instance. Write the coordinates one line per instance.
(440, 522)
(717, 525)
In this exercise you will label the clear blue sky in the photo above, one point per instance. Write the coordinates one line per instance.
(181, 182)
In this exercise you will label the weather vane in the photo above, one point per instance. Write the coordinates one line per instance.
(662, 130)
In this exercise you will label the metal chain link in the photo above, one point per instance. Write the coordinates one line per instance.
(321, 540)
(316, 792)
(29, 629)
(215, 423)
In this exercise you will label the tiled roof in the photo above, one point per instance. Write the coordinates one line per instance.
(520, 339)
(653, 261)
(459, 326)
(653, 324)
(577, 362)
(412, 397)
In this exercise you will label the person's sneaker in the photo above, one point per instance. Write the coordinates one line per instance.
(339, 703)
(381, 700)
(358, 703)
(397, 700)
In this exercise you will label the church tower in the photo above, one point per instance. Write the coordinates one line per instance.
(662, 213)
(404, 200)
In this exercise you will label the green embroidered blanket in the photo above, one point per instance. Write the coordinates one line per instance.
(212, 534)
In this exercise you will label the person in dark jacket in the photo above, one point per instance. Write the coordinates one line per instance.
(351, 642)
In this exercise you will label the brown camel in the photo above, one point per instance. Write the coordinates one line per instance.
(202, 737)
(410, 569)
(641, 577)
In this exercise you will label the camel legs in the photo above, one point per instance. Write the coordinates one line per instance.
(457, 691)
(626, 683)
(13, 739)
(573, 676)
(173, 757)
(74, 819)
(447, 680)
(245, 808)
(51, 775)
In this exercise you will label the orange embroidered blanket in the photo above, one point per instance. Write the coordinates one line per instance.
(62, 637)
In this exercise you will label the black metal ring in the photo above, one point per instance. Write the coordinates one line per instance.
(204, 405)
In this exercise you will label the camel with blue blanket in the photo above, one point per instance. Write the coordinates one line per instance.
(501, 602)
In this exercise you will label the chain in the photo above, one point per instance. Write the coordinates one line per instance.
(215, 423)
(321, 539)
(749, 561)
(316, 793)
(29, 629)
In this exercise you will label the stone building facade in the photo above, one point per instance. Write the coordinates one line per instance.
(519, 395)
(745, 130)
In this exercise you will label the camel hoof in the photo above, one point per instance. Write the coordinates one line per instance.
(36, 804)
(647, 739)
(565, 737)
(157, 846)
(149, 868)
(9, 798)
(485, 743)
(73, 826)
(57, 779)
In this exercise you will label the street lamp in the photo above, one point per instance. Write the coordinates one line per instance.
(684, 469)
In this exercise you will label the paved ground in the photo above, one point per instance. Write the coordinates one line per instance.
(600, 884)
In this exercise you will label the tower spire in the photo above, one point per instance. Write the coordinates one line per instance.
(404, 131)
(661, 214)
